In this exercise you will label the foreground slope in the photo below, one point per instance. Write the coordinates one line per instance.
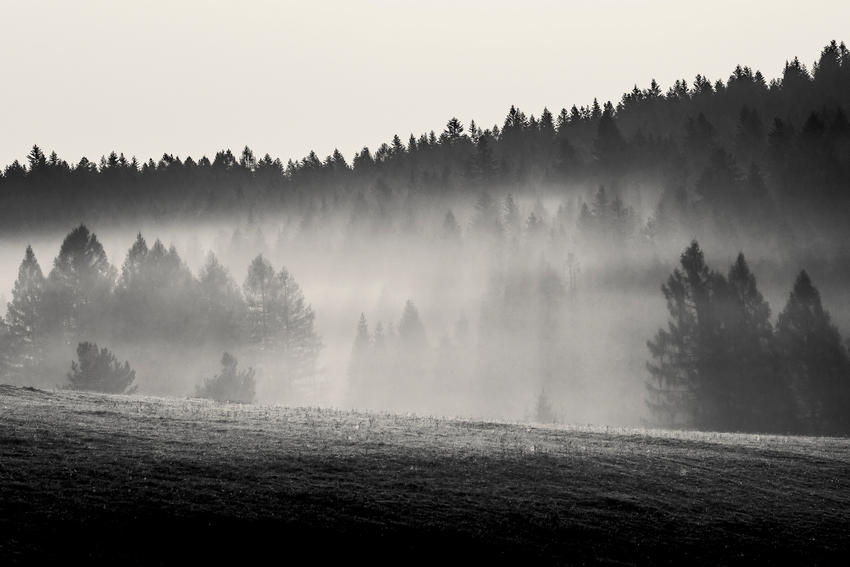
(110, 477)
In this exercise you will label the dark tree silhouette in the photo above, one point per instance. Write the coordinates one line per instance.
(229, 385)
(99, 371)
(815, 360)
(25, 318)
(80, 284)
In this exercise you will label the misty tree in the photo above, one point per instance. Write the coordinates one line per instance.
(280, 320)
(297, 340)
(572, 264)
(80, 284)
(453, 366)
(482, 165)
(25, 318)
(6, 352)
(551, 293)
(262, 290)
(230, 385)
(715, 366)
(596, 223)
(411, 362)
(815, 360)
(623, 221)
(486, 218)
(680, 374)
(361, 357)
(156, 296)
(758, 397)
(719, 186)
(451, 229)
(99, 371)
(609, 147)
(585, 225)
(534, 227)
(543, 411)
(411, 331)
(512, 218)
(222, 306)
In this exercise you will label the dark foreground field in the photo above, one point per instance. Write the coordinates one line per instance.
(151, 480)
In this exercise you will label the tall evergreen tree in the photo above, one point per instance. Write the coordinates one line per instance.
(80, 284)
(512, 218)
(759, 398)
(359, 365)
(683, 388)
(25, 318)
(815, 361)
(222, 305)
(262, 290)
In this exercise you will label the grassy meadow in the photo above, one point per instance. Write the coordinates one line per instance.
(152, 480)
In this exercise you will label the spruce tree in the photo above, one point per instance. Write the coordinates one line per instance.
(222, 306)
(99, 371)
(262, 289)
(758, 397)
(295, 339)
(358, 367)
(230, 385)
(683, 375)
(512, 217)
(80, 284)
(25, 318)
(815, 361)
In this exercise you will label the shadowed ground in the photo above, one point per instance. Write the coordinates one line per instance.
(124, 477)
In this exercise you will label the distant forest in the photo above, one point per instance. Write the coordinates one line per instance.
(725, 152)
(744, 163)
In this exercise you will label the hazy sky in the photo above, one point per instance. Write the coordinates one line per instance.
(190, 78)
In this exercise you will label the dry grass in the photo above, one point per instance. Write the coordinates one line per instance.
(110, 476)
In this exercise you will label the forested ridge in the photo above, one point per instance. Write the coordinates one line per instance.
(542, 215)
(718, 142)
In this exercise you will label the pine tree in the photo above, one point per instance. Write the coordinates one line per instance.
(543, 409)
(609, 147)
(512, 217)
(80, 284)
(411, 331)
(486, 219)
(815, 360)
(759, 400)
(229, 385)
(99, 371)
(409, 387)
(262, 289)
(221, 305)
(483, 165)
(157, 295)
(358, 367)
(25, 318)
(297, 340)
(623, 221)
(451, 230)
(681, 377)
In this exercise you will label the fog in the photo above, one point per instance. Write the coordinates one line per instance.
(579, 343)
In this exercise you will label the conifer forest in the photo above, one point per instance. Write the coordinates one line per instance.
(679, 257)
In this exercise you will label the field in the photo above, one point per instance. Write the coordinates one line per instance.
(134, 478)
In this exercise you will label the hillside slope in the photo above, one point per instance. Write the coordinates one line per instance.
(121, 477)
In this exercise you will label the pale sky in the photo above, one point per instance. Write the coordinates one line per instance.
(84, 78)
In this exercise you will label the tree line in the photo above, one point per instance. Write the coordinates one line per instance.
(153, 299)
(721, 365)
(722, 150)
